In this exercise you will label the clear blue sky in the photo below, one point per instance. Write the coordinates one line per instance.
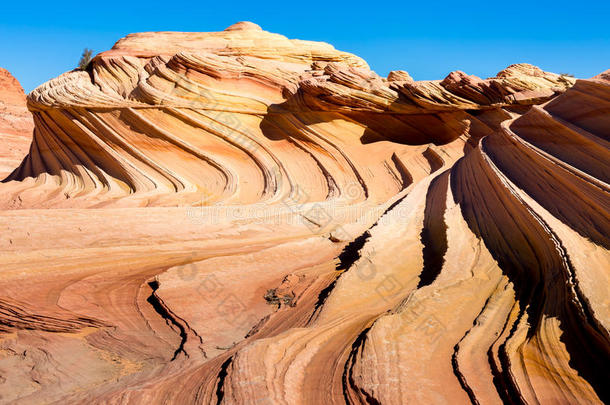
(41, 39)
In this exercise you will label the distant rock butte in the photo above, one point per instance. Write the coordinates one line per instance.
(16, 124)
(252, 219)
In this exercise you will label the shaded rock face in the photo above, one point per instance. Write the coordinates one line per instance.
(252, 219)
(16, 124)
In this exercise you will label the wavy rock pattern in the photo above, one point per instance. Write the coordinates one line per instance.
(16, 124)
(252, 219)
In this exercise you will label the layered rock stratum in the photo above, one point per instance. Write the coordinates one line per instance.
(236, 217)
(16, 124)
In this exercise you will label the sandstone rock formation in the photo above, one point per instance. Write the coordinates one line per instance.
(251, 219)
(16, 124)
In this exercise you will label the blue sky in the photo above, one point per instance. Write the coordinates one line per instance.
(40, 40)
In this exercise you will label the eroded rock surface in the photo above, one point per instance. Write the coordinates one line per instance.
(16, 124)
(251, 219)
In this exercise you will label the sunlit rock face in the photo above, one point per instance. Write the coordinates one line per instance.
(245, 116)
(251, 219)
(15, 124)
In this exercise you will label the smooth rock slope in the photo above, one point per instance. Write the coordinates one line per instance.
(249, 219)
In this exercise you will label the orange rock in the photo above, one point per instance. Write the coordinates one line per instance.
(252, 219)
(16, 124)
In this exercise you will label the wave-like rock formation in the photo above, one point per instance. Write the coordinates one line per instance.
(16, 124)
(248, 219)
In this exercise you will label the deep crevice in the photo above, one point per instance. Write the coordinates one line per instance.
(169, 318)
(222, 375)
(348, 380)
(349, 255)
(434, 160)
(405, 175)
(434, 232)
(351, 252)
(531, 255)
(460, 376)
